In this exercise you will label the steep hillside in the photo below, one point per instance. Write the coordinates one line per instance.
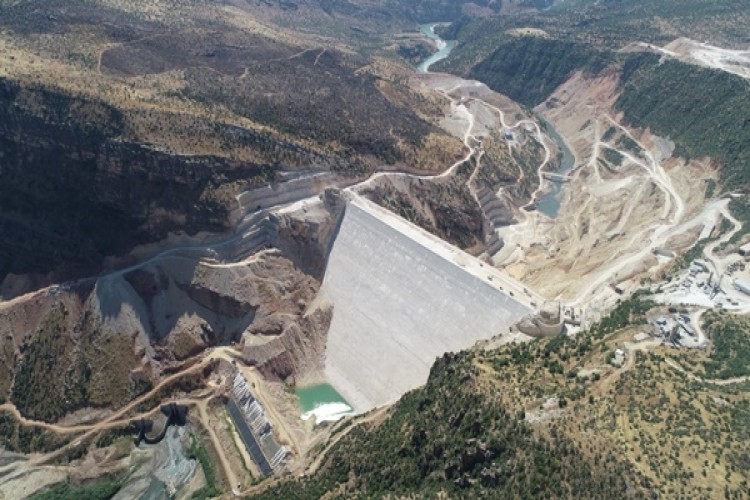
(554, 418)
(74, 189)
(174, 228)
(446, 209)
(120, 124)
(529, 54)
(98, 347)
(529, 68)
(370, 12)
(706, 112)
(605, 24)
(58, 373)
(453, 437)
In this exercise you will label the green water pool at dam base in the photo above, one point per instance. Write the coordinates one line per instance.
(323, 402)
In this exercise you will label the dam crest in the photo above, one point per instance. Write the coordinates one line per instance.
(401, 298)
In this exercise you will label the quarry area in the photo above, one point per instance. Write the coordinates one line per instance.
(704, 54)
(329, 284)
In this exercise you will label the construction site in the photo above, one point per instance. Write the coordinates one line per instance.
(320, 285)
(254, 427)
(377, 349)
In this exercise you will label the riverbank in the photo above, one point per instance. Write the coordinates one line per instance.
(444, 47)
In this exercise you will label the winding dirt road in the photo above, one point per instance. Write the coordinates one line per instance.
(119, 419)
(114, 420)
(672, 213)
(646, 240)
(202, 406)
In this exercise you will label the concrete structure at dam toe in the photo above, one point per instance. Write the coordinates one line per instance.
(401, 298)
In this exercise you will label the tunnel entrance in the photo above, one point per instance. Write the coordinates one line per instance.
(176, 415)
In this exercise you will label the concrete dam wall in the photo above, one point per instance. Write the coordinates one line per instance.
(402, 297)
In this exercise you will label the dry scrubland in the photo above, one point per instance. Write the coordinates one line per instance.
(554, 417)
(183, 140)
(685, 437)
(641, 426)
(196, 61)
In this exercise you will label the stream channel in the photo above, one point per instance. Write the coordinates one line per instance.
(549, 199)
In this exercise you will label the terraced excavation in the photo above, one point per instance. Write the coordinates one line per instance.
(308, 262)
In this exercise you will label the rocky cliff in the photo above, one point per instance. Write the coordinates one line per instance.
(73, 190)
(105, 341)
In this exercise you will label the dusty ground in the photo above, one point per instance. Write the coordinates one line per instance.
(626, 196)
(703, 54)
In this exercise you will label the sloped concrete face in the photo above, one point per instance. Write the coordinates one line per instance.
(401, 298)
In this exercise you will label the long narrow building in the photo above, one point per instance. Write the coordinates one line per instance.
(254, 427)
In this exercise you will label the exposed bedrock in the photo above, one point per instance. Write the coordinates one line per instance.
(549, 322)
(444, 207)
(180, 307)
(75, 188)
(56, 358)
(294, 354)
(218, 302)
(498, 211)
(111, 340)
(295, 187)
(182, 297)
(305, 235)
